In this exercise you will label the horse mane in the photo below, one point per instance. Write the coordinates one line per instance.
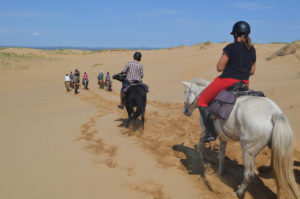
(200, 82)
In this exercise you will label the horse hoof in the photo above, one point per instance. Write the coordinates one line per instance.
(237, 194)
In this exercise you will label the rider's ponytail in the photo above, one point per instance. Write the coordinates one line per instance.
(245, 39)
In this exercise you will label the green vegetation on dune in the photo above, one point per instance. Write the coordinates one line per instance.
(97, 65)
(71, 52)
(205, 44)
(15, 61)
(21, 56)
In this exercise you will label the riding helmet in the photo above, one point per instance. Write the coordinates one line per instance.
(241, 27)
(137, 56)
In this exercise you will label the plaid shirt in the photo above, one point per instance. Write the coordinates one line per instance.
(134, 71)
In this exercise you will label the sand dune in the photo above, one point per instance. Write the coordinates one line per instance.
(55, 144)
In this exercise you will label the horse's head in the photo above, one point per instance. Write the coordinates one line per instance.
(189, 98)
(120, 76)
(192, 91)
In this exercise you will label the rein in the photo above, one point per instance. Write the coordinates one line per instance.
(188, 99)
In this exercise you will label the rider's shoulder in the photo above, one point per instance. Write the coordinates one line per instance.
(231, 45)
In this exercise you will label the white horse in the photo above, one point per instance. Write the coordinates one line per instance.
(256, 122)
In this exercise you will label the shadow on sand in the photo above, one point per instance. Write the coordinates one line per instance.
(232, 173)
(134, 125)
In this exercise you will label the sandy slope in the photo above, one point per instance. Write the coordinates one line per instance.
(56, 144)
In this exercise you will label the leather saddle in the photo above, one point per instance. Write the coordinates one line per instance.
(239, 86)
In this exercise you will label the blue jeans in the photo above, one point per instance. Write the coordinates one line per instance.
(124, 84)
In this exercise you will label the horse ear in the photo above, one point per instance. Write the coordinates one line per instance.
(186, 84)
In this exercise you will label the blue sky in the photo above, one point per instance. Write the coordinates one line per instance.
(141, 23)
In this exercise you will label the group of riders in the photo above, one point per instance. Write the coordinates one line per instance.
(107, 82)
(133, 71)
(72, 80)
(237, 63)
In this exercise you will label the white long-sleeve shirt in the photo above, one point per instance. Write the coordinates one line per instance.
(67, 78)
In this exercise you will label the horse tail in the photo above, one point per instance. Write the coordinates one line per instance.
(139, 108)
(140, 102)
(282, 155)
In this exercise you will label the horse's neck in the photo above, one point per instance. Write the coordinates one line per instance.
(198, 90)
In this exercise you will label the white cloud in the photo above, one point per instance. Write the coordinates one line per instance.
(36, 34)
(160, 12)
(253, 6)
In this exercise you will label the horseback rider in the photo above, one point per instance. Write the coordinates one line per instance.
(237, 63)
(101, 75)
(77, 72)
(134, 74)
(71, 75)
(84, 77)
(76, 81)
(67, 79)
(107, 79)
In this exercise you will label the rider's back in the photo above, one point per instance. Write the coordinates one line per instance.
(134, 71)
(240, 61)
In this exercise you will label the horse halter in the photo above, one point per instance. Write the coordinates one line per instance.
(186, 106)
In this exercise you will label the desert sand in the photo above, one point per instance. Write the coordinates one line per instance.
(55, 144)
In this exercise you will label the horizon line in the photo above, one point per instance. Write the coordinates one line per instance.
(114, 48)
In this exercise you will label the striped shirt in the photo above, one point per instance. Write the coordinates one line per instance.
(134, 70)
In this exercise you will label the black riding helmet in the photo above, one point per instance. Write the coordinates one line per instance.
(137, 56)
(241, 27)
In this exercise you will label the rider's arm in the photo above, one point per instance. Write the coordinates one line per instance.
(222, 62)
(125, 68)
(253, 69)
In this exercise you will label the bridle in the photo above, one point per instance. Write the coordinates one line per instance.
(186, 106)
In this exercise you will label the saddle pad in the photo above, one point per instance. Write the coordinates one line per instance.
(223, 104)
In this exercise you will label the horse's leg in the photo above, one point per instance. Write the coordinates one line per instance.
(221, 157)
(200, 147)
(129, 112)
(248, 160)
(143, 119)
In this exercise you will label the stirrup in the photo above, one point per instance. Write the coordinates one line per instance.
(208, 139)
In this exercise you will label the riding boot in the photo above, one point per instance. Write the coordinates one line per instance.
(210, 132)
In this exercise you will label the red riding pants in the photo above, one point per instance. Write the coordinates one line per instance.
(212, 90)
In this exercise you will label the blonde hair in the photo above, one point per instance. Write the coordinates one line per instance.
(245, 39)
